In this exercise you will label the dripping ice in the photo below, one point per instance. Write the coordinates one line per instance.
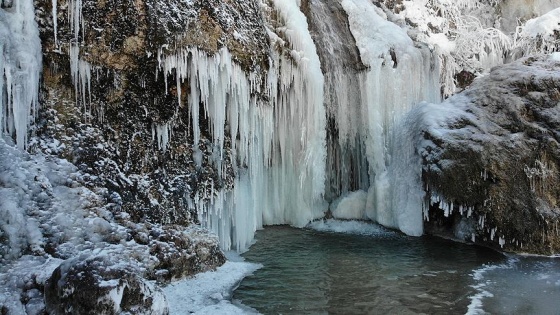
(399, 77)
(281, 141)
(20, 68)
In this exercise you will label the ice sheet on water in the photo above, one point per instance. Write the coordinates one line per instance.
(350, 227)
(536, 281)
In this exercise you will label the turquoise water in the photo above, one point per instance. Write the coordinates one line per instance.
(366, 269)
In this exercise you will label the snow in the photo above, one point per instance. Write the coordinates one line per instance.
(555, 56)
(18, 274)
(210, 292)
(43, 206)
(543, 26)
(538, 35)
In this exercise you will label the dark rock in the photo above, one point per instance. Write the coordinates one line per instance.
(493, 162)
(94, 285)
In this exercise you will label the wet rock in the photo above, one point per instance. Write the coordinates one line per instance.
(491, 159)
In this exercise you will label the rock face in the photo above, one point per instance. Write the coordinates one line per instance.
(108, 107)
(491, 159)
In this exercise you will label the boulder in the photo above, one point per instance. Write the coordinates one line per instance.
(491, 159)
(95, 285)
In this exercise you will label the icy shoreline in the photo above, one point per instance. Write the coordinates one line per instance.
(210, 292)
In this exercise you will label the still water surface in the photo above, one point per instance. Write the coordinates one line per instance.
(358, 268)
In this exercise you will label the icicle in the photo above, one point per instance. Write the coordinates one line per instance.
(55, 22)
(501, 241)
(281, 148)
(76, 18)
(161, 133)
(20, 67)
(80, 72)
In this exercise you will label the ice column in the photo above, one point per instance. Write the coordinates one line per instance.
(399, 76)
(20, 68)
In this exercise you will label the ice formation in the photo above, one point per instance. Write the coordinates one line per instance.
(399, 77)
(280, 146)
(80, 70)
(278, 124)
(20, 68)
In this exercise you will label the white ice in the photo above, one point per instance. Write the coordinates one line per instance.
(351, 206)
(20, 69)
(400, 76)
(281, 148)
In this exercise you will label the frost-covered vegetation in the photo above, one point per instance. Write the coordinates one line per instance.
(476, 35)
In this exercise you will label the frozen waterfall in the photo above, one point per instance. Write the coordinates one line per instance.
(281, 149)
(20, 68)
(280, 146)
(308, 132)
(399, 77)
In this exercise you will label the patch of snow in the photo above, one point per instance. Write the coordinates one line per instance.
(543, 26)
(209, 292)
(539, 35)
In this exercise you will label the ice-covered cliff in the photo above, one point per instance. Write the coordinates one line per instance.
(236, 115)
(233, 115)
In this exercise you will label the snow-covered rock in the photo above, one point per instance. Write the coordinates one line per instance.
(48, 220)
(491, 158)
(97, 285)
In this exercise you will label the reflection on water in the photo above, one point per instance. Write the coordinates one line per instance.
(382, 272)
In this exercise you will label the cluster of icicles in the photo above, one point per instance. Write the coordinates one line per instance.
(281, 142)
(20, 69)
